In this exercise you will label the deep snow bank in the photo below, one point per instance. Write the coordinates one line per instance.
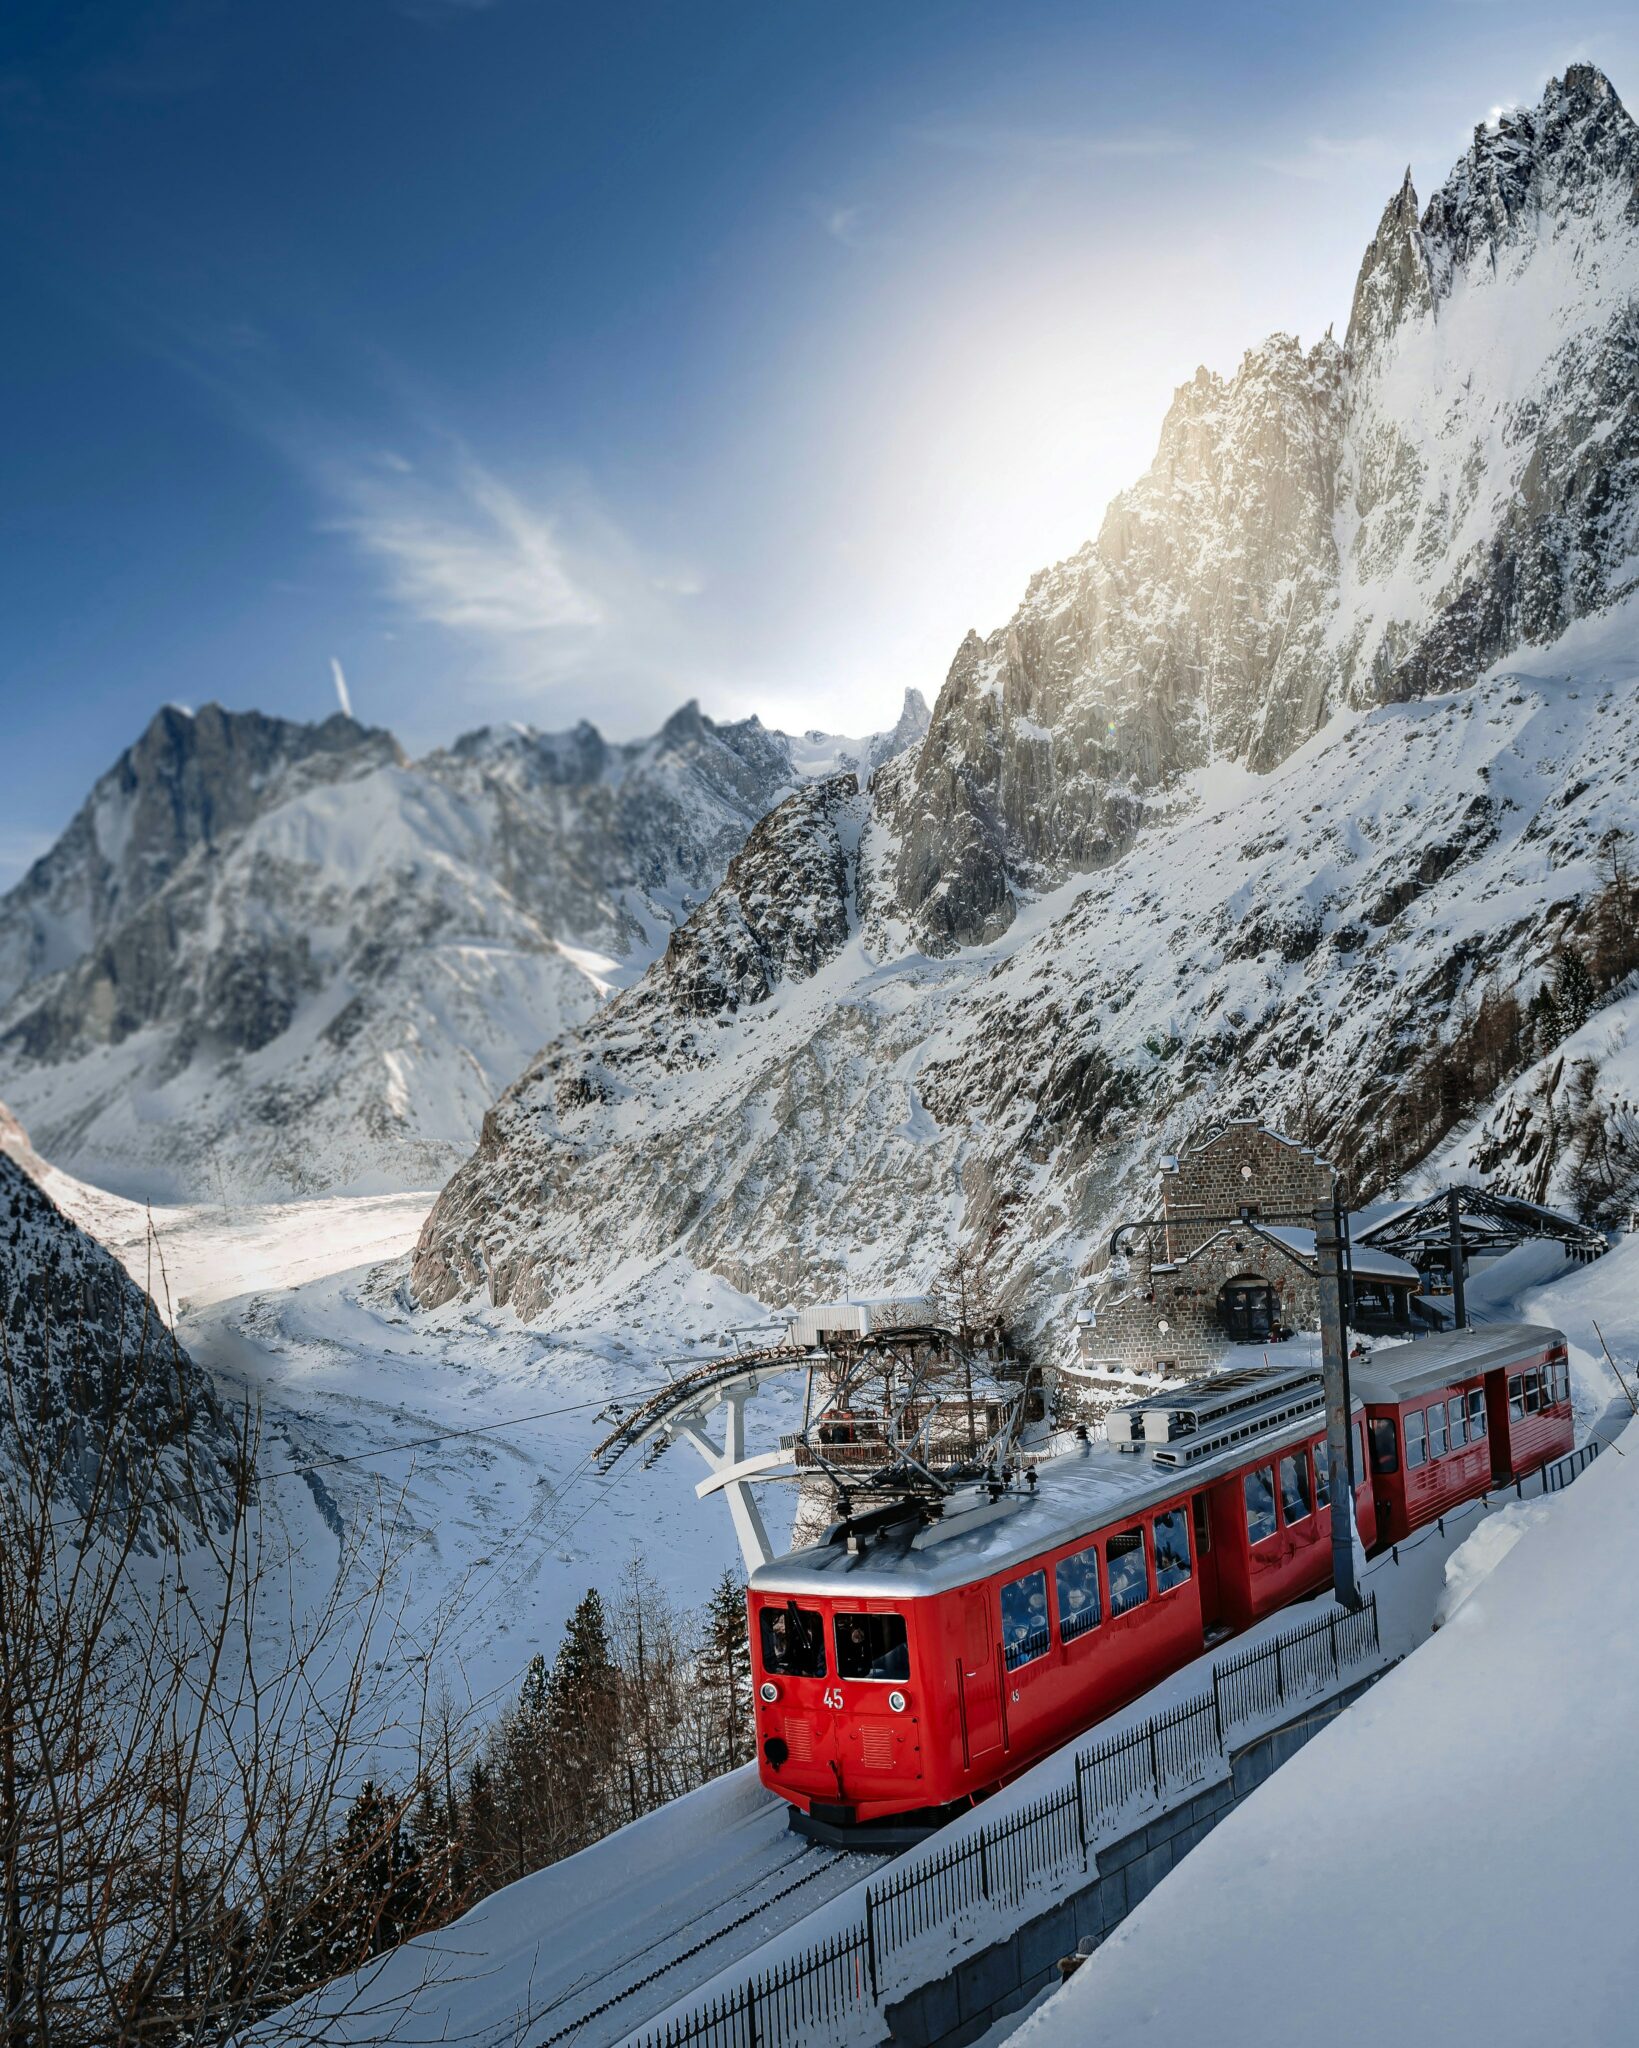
(1454, 1860)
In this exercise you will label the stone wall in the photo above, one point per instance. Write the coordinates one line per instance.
(1162, 1318)
(1241, 1165)
(1178, 1330)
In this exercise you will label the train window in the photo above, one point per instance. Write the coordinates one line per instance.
(1385, 1445)
(1563, 1371)
(1533, 1393)
(1436, 1430)
(1457, 1419)
(1259, 1489)
(1075, 1580)
(1203, 1522)
(1126, 1570)
(872, 1646)
(1323, 1476)
(793, 1641)
(1360, 1466)
(1295, 1503)
(1416, 1449)
(1476, 1414)
(1171, 1550)
(1516, 1397)
(1024, 1619)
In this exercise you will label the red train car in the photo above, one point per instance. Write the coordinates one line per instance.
(1451, 1416)
(908, 1664)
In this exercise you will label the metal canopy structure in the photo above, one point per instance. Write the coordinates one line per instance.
(892, 1414)
(1488, 1224)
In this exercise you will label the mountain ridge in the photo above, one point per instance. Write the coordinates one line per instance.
(268, 957)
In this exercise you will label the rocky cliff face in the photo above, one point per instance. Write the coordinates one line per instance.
(93, 1385)
(273, 958)
(1339, 527)
(584, 1114)
(1248, 807)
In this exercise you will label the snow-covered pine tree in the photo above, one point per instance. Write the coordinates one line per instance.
(371, 1896)
(583, 1698)
(1574, 993)
(725, 1676)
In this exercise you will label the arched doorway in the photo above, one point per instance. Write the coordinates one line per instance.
(1247, 1309)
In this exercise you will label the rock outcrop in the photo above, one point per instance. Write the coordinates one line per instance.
(96, 1394)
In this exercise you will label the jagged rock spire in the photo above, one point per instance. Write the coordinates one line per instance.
(1394, 276)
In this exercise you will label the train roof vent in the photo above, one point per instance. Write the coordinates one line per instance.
(1204, 1404)
(1239, 1427)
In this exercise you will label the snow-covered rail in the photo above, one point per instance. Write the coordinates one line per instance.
(593, 1947)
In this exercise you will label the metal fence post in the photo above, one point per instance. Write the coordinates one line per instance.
(984, 1864)
(1280, 1673)
(1331, 1630)
(1155, 1759)
(1081, 1814)
(1217, 1709)
(751, 2016)
(870, 1941)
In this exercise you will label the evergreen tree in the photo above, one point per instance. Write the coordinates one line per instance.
(1574, 992)
(1543, 1026)
(525, 1793)
(583, 1721)
(371, 1896)
(483, 1833)
(725, 1664)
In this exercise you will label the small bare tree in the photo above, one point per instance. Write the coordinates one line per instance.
(173, 1863)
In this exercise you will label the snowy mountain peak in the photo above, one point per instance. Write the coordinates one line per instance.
(282, 957)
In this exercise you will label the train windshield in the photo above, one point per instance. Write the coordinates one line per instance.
(872, 1646)
(793, 1641)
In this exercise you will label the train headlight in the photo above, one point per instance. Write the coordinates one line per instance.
(768, 1692)
(897, 1701)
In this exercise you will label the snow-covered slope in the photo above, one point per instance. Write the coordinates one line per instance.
(1455, 1858)
(1285, 949)
(279, 958)
(1319, 843)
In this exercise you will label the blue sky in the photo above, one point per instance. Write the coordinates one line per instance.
(539, 361)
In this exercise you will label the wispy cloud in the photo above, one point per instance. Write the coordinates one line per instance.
(1048, 148)
(1320, 157)
(465, 551)
(844, 224)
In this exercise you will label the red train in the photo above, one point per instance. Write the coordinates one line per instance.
(907, 1666)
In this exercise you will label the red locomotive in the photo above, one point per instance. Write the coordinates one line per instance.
(908, 1665)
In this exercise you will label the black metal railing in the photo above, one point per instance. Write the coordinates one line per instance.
(831, 1984)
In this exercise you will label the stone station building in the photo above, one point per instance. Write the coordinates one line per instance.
(1193, 1285)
